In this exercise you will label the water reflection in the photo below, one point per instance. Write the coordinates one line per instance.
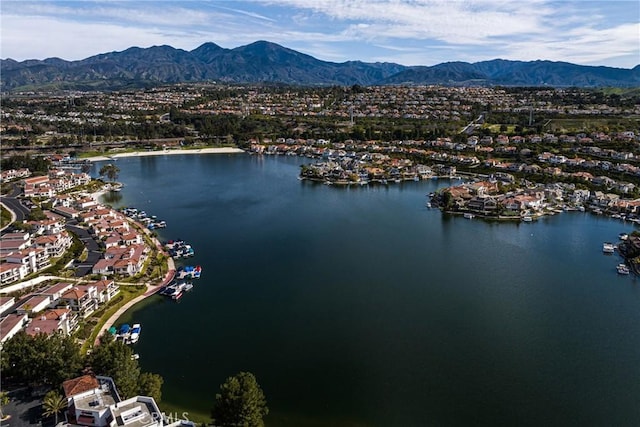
(112, 197)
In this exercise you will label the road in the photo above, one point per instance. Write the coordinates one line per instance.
(14, 205)
(90, 243)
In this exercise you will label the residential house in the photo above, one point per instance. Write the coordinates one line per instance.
(11, 272)
(11, 325)
(12, 242)
(59, 320)
(33, 259)
(94, 401)
(67, 212)
(82, 299)
(56, 291)
(6, 303)
(55, 245)
(106, 290)
(34, 304)
(38, 186)
(482, 204)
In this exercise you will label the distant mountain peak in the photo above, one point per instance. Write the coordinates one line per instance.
(264, 61)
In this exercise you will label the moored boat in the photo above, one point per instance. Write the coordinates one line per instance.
(135, 333)
(622, 269)
(608, 248)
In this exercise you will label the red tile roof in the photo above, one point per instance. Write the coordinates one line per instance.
(79, 385)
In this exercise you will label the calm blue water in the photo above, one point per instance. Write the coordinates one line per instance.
(360, 306)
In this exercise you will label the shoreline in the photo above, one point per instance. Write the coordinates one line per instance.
(152, 288)
(211, 150)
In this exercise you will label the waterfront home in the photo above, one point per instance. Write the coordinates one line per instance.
(511, 204)
(94, 401)
(483, 204)
(89, 399)
(11, 325)
(59, 320)
(106, 290)
(128, 260)
(532, 201)
(81, 299)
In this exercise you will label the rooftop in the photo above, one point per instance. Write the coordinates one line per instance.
(139, 411)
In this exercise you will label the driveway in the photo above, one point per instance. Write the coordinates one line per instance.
(25, 409)
(92, 246)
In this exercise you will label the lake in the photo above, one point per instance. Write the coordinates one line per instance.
(360, 306)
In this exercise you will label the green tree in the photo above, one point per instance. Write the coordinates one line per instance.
(36, 214)
(52, 404)
(447, 200)
(4, 400)
(109, 170)
(240, 402)
(150, 385)
(114, 360)
(41, 360)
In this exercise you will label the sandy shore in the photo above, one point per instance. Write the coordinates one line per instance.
(222, 150)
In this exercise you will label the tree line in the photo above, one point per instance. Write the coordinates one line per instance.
(49, 360)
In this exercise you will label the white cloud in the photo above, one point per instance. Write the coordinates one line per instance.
(410, 32)
(584, 46)
(448, 21)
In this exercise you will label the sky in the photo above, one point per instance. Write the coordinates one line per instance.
(408, 32)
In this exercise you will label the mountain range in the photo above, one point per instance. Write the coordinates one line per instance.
(264, 61)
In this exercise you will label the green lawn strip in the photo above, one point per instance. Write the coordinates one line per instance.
(126, 294)
(5, 217)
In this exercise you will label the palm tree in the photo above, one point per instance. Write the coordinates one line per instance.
(52, 404)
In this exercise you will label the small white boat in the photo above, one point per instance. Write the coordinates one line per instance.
(622, 269)
(468, 215)
(527, 218)
(135, 356)
(608, 248)
(135, 333)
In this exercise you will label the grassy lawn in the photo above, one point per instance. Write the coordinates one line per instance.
(100, 317)
(495, 128)
(5, 216)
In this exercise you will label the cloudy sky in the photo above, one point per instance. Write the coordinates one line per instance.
(409, 32)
